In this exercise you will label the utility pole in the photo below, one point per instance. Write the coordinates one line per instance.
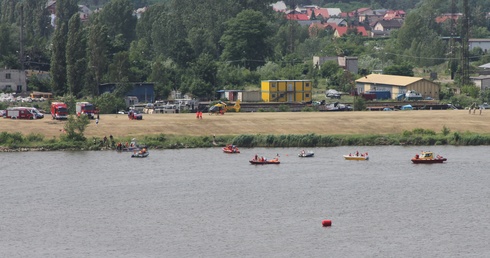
(465, 52)
(21, 37)
(452, 64)
(291, 28)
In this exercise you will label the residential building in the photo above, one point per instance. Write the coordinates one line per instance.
(387, 26)
(448, 16)
(482, 82)
(83, 11)
(484, 44)
(334, 12)
(242, 95)
(279, 6)
(397, 85)
(319, 13)
(12, 80)
(297, 16)
(341, 31)
(348, 63)
(286, 91)
(144, 91)
(337, 21)
(394, 14)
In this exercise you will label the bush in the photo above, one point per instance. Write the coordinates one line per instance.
(35, 137)
(308, 109)
(445, 131)
(284, 108)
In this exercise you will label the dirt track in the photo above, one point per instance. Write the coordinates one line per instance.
(376, 122)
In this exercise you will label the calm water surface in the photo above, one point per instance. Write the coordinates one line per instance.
(204, 203)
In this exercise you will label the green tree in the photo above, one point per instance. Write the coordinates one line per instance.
(58, 60)
(118, 17)
(109, 103)
(404, 69)
(269, 71)
(75, 128)
(205, 68)
(8, 11)
(329, 68)
(119, 68)
(245, 39)
(8, 47)
(76, 64)
(164, 74)
(97, 49)
(64, 11)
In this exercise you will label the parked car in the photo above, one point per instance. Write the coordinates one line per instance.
(485, 106)
(2, 113)
(122, 112)
(135, 115)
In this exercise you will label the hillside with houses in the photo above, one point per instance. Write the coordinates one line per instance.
(109, 50)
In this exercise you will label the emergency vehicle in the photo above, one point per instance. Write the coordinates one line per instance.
(86, 108)
(59, 110)
(23, 113)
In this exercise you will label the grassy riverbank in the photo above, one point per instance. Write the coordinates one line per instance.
(275, 129)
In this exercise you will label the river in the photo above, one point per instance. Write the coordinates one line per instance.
(204, 203)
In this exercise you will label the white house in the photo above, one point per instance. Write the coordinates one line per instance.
(13, 80)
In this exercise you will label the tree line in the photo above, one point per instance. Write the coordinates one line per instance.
(199, 47)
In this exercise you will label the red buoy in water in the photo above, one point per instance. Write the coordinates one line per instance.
(327, 223)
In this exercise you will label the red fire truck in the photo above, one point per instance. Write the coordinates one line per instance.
(86, 108)
(59, 110)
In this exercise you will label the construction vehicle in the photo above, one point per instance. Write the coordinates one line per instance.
(221, 107)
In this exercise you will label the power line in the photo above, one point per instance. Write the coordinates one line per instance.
(432, 58)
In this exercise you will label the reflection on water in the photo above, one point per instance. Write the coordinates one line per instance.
(204, 203)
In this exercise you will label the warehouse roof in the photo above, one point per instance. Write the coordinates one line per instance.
(395, 80)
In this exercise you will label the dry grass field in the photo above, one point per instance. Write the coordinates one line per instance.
(376, 122)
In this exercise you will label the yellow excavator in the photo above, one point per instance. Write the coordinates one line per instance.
(221, 107)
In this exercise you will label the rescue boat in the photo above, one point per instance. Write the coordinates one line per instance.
(140, 155)
(263, 161)
(427, 157)
(357, 156)
(231, 149)
(307, 154)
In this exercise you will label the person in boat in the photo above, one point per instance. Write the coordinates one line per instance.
(302, 152)
(256, 157)
(143, 151)
(357, 153)
(416, 156)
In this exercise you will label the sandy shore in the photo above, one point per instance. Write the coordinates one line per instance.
(376, 122)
